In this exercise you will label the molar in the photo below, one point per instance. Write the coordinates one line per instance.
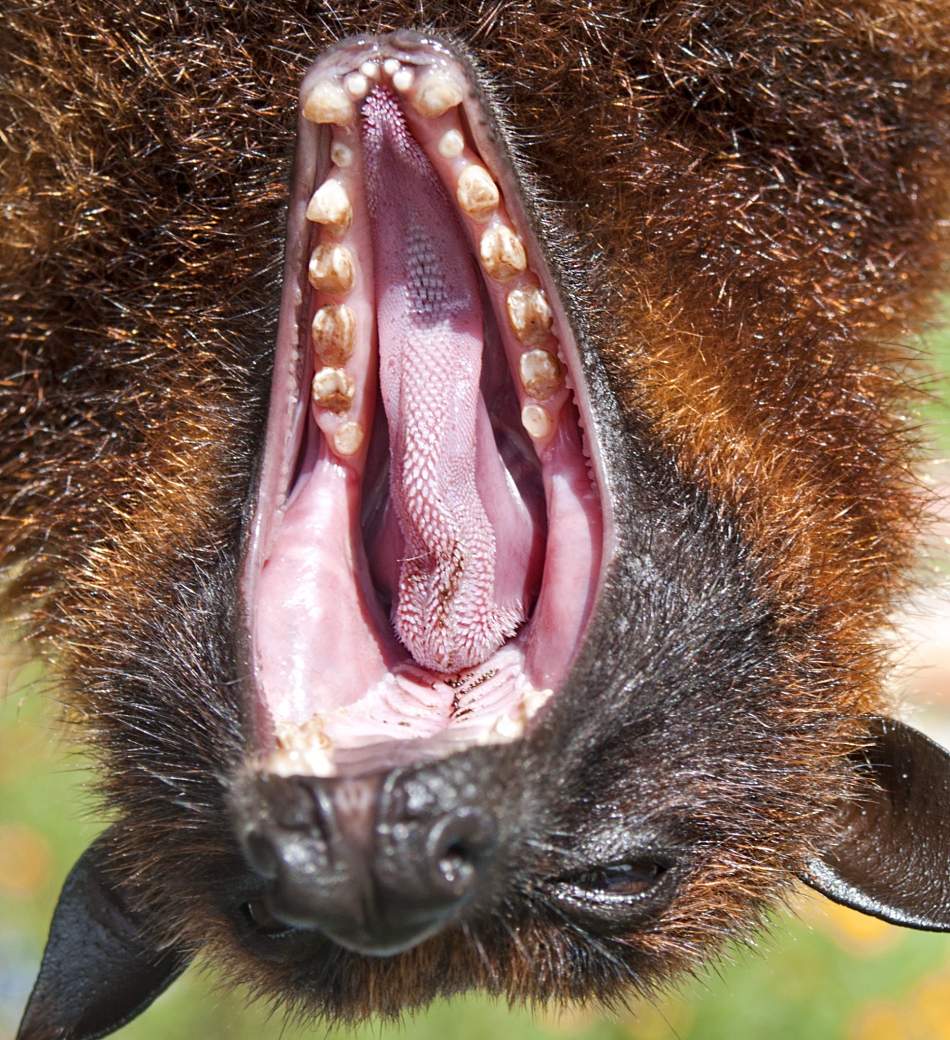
(502, 252)
(530, 315)
(331, 268)
(332, 389)
(536, 421)
(540, 374)
(476, 192)
(327, 103)
(333, 332)
(340, 154)
(330, 205)
(348, 438)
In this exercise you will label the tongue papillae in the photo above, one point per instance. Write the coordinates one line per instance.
(458, 529)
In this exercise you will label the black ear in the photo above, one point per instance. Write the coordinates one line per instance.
(893, 857)
(98, 971)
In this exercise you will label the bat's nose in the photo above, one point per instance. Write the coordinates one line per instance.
(376, 863)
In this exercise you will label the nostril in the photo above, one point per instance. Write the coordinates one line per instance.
(457, 847)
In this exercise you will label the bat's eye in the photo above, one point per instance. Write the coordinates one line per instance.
(614, 897)
(622, 879)
(263, 921)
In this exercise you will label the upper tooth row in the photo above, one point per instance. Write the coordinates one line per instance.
(331, 101)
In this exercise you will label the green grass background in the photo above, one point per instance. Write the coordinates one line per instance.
(822, 974)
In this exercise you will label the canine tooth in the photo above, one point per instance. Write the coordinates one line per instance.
(540, 373)
(476, 192)
(535, 700)
(340, 154)
(507, 728)
(437, 95)
(332, 389)
(502, 252)
(530, 315)
(451, 144)
(331, 268)
(330, 205)
(348, 438)
(536, 421)
(356, 85)
(328, 103)
(370, 69)
(402, 80)
(391, 66)
(333, 331)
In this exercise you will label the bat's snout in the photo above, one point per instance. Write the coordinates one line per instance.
(376, 863)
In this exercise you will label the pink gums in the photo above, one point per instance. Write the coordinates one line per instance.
(457, 598)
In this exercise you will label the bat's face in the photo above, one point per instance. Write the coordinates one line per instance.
(486, 687)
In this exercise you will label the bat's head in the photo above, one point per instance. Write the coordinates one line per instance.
(491, 690)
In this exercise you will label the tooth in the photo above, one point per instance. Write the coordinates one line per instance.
(437, 95)
(477, 193)
(540, 374)
(402, 80)
(348, 438)
(451, 144)
(370, 69)
(333, 332)
(530, 315)
(391, 66)
(327, 103)
(507, 728)
(535, 700)
(502, 252)
(536, 421)
(332, 389)
(330, 205)
(340, 154)
(356, 85)
(331, 268)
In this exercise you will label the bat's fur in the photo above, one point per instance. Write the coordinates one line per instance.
(750, 193)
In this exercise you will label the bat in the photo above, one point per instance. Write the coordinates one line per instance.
(454, 459)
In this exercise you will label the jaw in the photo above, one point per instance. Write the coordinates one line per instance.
(431, 523)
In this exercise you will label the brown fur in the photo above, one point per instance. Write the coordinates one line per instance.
(758, 187)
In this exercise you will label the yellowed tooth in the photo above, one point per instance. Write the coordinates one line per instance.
(540, 374)
(333, 332)
(370, 69)
(330, 206)
(332, 389)
(502, 252)
(348, 438)
(536, 421)
(451, 144)
(530, 315)
(391, 67)
(476, 192)
(437, 94)
(327, 103)
(331, 268)
(340, 154)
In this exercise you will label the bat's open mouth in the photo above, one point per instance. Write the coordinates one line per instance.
(430, 523)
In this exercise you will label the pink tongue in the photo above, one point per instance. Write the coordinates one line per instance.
(457, 596)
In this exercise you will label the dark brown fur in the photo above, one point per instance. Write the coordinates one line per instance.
(751, 190)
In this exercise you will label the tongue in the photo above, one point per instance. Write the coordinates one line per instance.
(462, 534)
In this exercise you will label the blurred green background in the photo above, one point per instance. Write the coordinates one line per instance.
(823, 973)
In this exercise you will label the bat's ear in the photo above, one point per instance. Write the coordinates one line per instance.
(99, 970)
(893, 857)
